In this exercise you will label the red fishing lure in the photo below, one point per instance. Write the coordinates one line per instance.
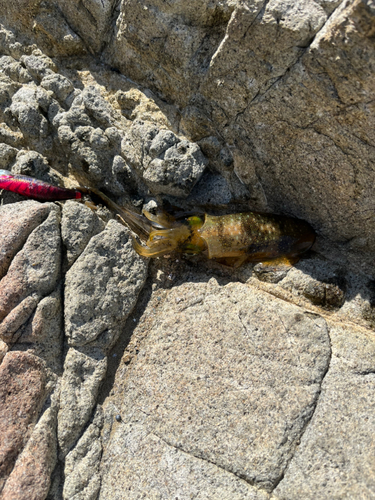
(33, 188)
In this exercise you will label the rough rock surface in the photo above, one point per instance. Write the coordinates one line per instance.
(82, 465)
(167, 164)
(78, 225)
(96, 307)
(16, 223)
(93, 131)
(222, 384)
(83, 371)
(35, 464)
(200, 381)
(287, 86)
(33, 274)
(339, 441)
(32, 321)
(23, 389)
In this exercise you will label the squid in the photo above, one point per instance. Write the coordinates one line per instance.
(231, 239)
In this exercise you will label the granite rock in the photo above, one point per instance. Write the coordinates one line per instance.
(43, 333)
(338, 441)
(78, 225)
(171, 473)
(61, 86)
(102, 286)
(90, 21)
(84, 371)
(4, 348)
(27, 107)
(227, 375)
(174, 43)
(22, 393)
(286, 87)
(14, 69)
(177, 171)
(257, 383)
(166, 164)
(17, 221)
(7, 153)
(54, 33)
(31, 475)
(82, 465)
(39, 66)
(33, 274)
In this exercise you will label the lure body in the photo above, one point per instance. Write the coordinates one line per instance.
(33, 188)
(244, 236)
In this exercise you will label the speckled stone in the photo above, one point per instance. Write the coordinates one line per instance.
(22, 392)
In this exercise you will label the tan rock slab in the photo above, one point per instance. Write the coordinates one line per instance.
(228, 375)
(336, 457)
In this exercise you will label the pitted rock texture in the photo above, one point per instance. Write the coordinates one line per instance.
(28, 105)
(257, 383)
(286, 86)
(95, 132)
(168, 165)
(33, 274)
(50, 113)
(98, 306)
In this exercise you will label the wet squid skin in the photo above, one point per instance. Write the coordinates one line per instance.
(243, 236)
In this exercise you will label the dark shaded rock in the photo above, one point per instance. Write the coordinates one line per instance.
(328, 295)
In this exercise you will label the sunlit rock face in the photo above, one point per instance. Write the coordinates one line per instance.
(178, 377)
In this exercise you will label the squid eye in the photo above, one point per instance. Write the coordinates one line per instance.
(195, 221)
